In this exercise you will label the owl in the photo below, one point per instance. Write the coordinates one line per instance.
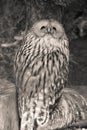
(41, 72)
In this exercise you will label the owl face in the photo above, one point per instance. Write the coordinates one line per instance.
(49, 35)
(48, 27)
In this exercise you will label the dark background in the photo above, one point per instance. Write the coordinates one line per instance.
(17, 16)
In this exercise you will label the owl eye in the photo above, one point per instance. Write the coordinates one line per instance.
(54, 28)
(43, 27)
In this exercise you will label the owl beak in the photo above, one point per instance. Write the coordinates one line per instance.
(49, 30)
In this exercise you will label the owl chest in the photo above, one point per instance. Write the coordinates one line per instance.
(47, 67)
(42, 71)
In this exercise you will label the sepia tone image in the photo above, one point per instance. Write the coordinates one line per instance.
(43, 65)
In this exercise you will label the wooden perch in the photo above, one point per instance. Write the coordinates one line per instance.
(5, 45)
(8, 108)
(17, 38)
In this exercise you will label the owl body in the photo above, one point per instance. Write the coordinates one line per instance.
(41, 68)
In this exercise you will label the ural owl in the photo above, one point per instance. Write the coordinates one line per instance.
(41, 69)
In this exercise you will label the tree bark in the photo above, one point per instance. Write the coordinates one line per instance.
(8, 107)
